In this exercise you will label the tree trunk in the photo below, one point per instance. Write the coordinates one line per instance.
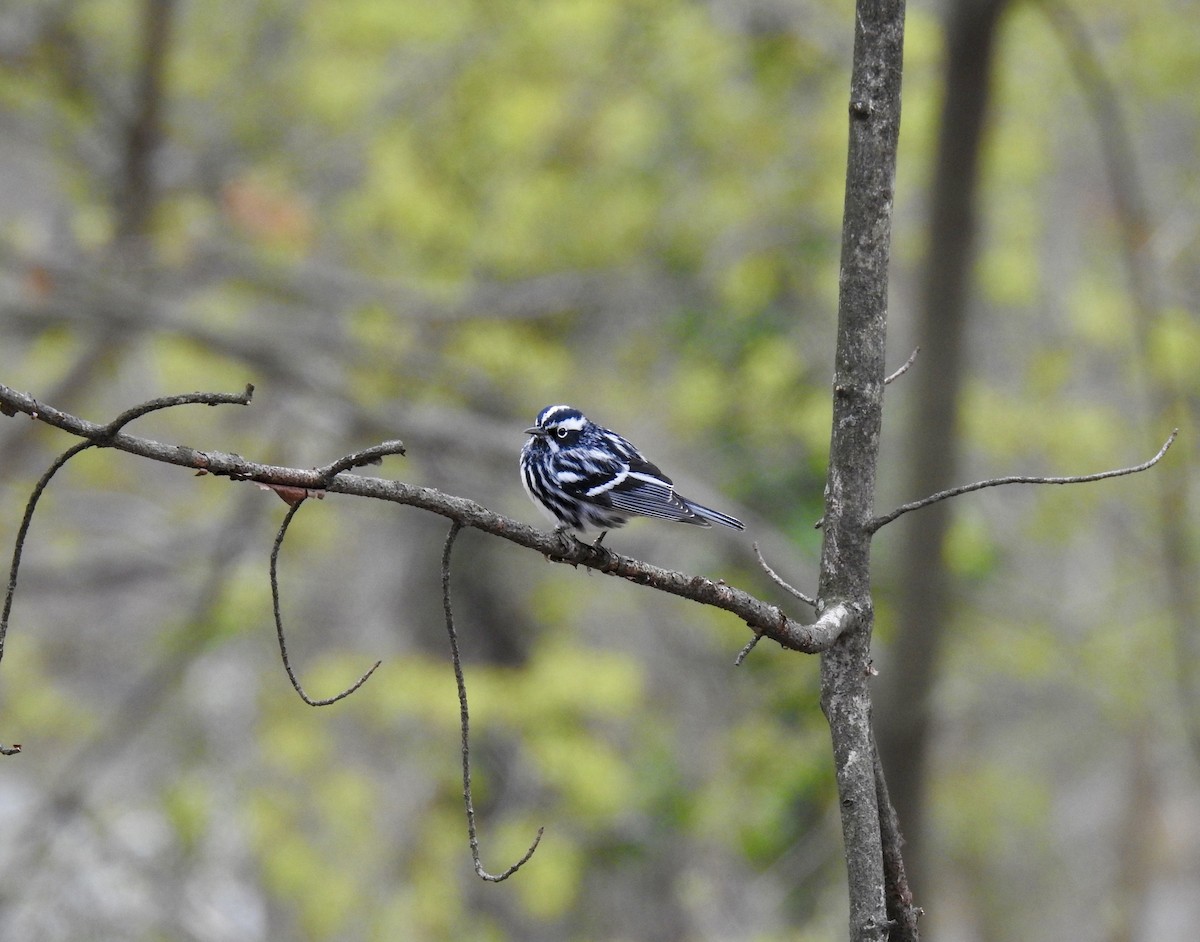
(854, 447)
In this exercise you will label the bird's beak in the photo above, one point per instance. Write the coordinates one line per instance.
(540, 432)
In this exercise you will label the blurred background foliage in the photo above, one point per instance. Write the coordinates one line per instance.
(426, 221)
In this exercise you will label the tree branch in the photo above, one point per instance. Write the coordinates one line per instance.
(878, 522)
(762, 617)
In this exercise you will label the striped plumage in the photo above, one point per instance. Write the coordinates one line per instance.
(588, 477)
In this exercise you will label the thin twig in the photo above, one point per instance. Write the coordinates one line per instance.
(23, 531)
(283, 652)
(746, 649)
(291, 494)
(912, 357)
(373, 455)
(464, 717)
(780, 581)
(878, 522)
(169, 402)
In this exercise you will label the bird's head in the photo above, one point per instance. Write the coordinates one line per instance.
(559, 426)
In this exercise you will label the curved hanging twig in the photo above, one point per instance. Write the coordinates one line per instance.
(464, 717)
(19, 548)
(283, 652)
(23, 531)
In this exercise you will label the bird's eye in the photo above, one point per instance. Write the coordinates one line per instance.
(562, 433)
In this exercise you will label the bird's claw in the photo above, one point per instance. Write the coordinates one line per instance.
(566, 539)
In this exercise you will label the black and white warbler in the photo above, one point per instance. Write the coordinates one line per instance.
(584, 475)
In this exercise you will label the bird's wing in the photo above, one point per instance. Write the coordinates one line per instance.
(618, 476)
(645, 490)
(586, 474)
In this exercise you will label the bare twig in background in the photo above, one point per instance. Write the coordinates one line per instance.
(358, 459)
(1020, 479)
(143, 135)
(465, 724)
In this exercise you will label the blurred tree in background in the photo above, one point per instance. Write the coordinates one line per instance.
(428, 220)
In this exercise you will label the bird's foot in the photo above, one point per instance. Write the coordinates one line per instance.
(566, 539)
(608, 555)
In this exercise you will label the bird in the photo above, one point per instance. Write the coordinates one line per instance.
(585, 476)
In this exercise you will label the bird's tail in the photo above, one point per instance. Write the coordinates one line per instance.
(708, 516)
